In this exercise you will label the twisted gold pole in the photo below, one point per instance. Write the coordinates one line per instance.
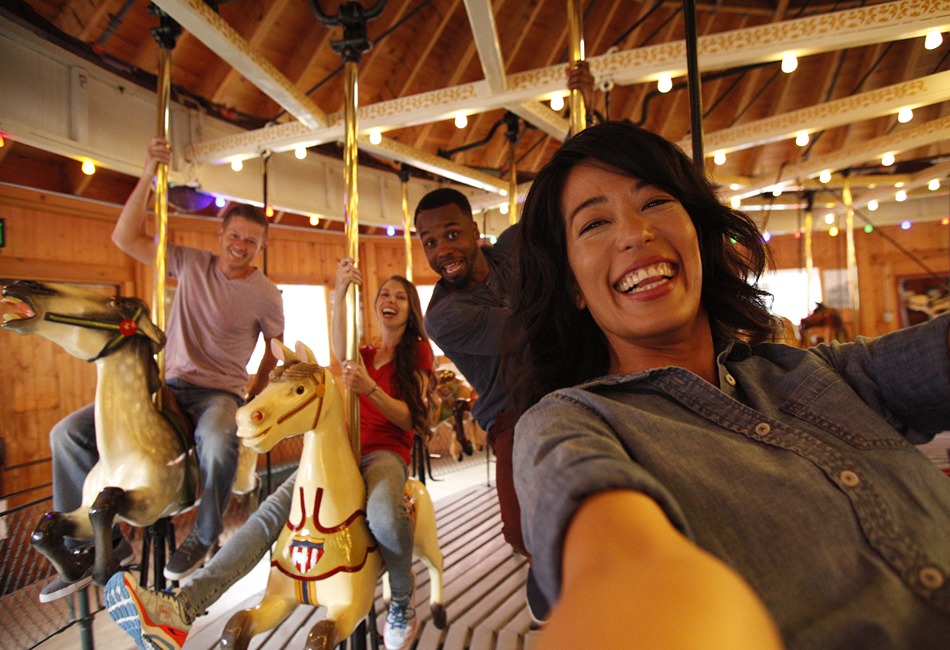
(575, 26)
(351, 227)
(161, 198)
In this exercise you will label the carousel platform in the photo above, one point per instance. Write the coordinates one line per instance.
(483, 586)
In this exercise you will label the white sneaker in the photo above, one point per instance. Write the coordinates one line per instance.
(401, 624)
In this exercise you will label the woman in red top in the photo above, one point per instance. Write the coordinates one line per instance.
(390, 378)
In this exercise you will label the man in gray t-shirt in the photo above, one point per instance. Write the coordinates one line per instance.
(222, 304)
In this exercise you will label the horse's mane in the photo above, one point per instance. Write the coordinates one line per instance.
(295, 370)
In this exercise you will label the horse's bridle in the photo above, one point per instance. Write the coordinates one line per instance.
(124, 329)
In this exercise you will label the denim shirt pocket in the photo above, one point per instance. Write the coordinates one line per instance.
(826, 401)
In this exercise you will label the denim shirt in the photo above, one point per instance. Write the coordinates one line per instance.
(798, 472)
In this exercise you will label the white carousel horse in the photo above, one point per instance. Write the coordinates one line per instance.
(450, 403)
(325, 555)
(147, 470)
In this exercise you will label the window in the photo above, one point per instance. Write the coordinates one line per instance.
(305, 319)
(790, 289)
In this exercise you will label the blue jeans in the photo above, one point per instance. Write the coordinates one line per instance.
(385, 474)
(73, 444)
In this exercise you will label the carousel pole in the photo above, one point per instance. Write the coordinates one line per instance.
(352, 16)
(851, 258)
(575, 28)
(513, 136)
(406, 232)
(693, 81)
(166, 34)
(809, 259)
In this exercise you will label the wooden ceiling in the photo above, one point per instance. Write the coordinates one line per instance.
(858, 64)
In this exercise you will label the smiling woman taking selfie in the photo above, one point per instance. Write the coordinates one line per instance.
(686, 484)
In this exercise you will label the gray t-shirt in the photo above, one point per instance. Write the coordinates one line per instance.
(215, 322)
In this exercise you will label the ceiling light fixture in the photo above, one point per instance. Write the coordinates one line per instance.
(300, 152)
(557, 103)
(825, 176)
(933, 185)
(88, 167)
(933, 39)
(375, 136)
(901, 196)
(789, 63)
(719, 157)
(905, 115)
(802, 138)
(664, 84)
(237, 164)
(461, 121)
(887, 159)
(872, 205)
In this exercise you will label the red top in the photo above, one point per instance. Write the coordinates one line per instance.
(376, 431)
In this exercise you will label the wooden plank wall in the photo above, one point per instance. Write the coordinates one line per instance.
(56, 238)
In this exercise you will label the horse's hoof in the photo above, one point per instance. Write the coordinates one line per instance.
(321, 636)
(237, 632)
(439, 617)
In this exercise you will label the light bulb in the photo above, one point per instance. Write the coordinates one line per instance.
(766, 236)
(461, 121)
(735, 202)
(905, 115)
(868, 228)
(901, 196)
(801, 139)
(557, 103)
(833, 231)
(825, 176)
(314, 220)
(829, 218)
(220, 201)
(777, 191)
(905, 225)
(503, 208)
(300, 152)
(933, 39)
(887, 159)
(789, 63)
(872, 205)
(933, 185)
(390, 230)
(269, 211)
(664, 84)
(719, 157)
(375, 136)
(237, 164)
(88, 167)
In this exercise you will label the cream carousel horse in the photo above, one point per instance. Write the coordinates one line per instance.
(147, 470)
(325, 555)
(450, 403)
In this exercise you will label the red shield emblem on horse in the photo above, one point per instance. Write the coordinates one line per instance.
(305, 552)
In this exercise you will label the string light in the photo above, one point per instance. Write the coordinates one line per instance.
(719, 157)
(905, 225)
(776, 191)
(798, 234)
(390, 230)
(461, 121)
(872, 205)
(88, 167)
(314, 220)
(933, 39)
(735, 202)
(375, 136)
(269, 211)
(868, 228)
(789, 63)
(557, 103)
(220, 201)
(237, 164)
(802, 138)
(825, 176)
(887, 159)
(901, 196)
(905, 115)
(833, 231)
(933, 185)
(503, 208)
(829, 218)
(766, 236)
(664, 84)
(300, 152)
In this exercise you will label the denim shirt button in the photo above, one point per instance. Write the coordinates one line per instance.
(849, 478)
(730, 380)
(763, 428)
(931, 577)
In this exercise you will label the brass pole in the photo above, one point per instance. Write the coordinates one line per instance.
(351, 227)
(407, 233)
(575, 26)
(512, 185)
(161, 198)
(851, 258)
(809, 261)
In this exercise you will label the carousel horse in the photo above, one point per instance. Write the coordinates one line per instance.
(325, 554)
(823, 325)
(451, 401)
(147, 468)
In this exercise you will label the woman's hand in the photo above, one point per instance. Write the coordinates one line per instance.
(158, 152)
(357, 379)
(346, 274)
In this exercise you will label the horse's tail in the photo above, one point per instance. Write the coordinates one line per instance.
(183, 425)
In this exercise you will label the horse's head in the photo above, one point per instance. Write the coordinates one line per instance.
(86, 324)
(299, 394)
